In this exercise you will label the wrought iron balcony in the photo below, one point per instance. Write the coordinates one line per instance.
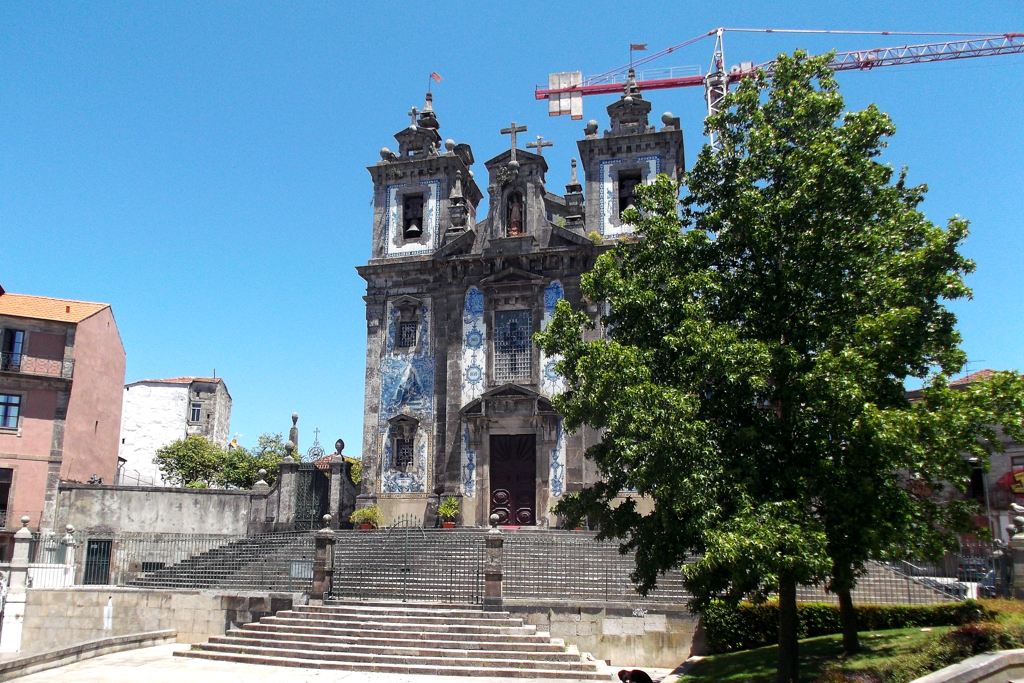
(30, 365)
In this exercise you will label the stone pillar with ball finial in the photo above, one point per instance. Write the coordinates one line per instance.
(287, 481)
(17, 591)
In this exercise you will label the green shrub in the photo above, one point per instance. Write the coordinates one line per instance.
(371, 515)
(952, 647)
(746, 626)
(448, 510)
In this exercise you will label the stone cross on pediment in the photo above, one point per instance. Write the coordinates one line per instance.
(512, 130)
(412, 115)
(540, 145)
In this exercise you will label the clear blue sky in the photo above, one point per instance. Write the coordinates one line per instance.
(201, 166)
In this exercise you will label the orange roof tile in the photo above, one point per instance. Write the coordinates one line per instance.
(976, 376)
(45, 308)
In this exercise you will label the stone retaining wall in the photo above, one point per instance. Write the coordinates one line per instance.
(992, 667)
(58, 618)
(625, 634)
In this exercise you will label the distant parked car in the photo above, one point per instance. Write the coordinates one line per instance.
(987, 589)
(972, 569)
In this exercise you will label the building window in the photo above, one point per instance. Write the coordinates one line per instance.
(195, 412)
(407, 333)
(6, 477)
(403, 454)
(1017, 461)
(10, 410)
(13, 347)
(628, 180)
(412, 216)
(513, 350)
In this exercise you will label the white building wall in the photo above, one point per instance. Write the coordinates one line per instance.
(152, 416)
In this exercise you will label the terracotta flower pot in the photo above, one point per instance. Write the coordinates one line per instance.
(365, 526)
(448, 525)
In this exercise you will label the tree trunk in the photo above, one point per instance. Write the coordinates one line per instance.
(848, 618)
(788, 627)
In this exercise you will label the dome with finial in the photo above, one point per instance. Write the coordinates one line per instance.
(427, 117)
(629, 114)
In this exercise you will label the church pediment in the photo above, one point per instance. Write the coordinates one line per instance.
(512, 276)
(403, 420)
(564, 237)
(523, 157)
(459, 244)
(406, 301)
(510, 391)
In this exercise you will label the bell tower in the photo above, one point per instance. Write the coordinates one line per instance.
(631, 153)
(416, 189)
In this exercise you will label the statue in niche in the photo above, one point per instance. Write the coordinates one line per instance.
(515, 214)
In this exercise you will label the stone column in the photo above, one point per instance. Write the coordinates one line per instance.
(287, 482)
(1017, 556)
(258, 505)
(323, 561)
(14, 604)
(492, 568)
(337, 472)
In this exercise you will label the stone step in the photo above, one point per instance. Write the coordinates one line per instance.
(411, 627)
(391, 618)
(407, 648)
(405, 608)
(398, 659)
(428, 670)
(301, 628)
(535, 644)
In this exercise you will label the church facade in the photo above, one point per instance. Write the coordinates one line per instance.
(458, 398)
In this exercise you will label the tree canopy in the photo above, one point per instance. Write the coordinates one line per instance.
(197, 462)
(750, 380)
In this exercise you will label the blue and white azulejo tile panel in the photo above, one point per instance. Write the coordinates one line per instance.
(406, 387)
(474, 346)
(431, 216)
(557, 474)
(468, 464)
(551, 382)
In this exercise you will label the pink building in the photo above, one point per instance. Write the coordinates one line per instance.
(61, 376)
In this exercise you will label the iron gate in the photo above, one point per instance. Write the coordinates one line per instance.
(312, 497)
(97, 562)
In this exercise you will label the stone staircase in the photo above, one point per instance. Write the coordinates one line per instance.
(271, 562)
(404, 638)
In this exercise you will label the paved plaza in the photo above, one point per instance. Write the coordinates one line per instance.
(159, 665)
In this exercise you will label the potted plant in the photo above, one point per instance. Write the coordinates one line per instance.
(367, 518)
(448, 511)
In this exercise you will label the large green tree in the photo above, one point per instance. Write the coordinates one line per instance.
(242, 465)
(751, 379)
(194, 462)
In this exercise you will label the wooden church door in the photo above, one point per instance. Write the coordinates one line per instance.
(514, 479)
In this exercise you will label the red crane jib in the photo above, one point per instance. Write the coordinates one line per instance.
(857, 60)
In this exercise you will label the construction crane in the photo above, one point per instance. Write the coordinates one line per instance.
(566, 90)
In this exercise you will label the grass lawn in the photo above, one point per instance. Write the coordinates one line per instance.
(757, 666)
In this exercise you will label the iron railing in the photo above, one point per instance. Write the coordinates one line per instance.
(576, 566)
(409, 563)
(31, 365)
(281, 561)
